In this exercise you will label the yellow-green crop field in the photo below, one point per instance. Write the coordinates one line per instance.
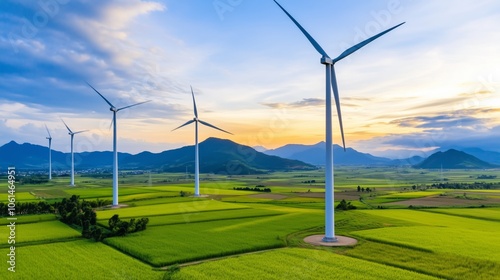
(81, 259)
(42, 231)
(295, 263)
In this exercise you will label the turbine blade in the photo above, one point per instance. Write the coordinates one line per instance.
(189, 122)
(337, 103)
(66, 126)
(107, 101)
(133, 105)
(358, 46)
(309, 37)
(194, 104)
(80, 131)
(213, 126)
(50, 136)
(110, 124)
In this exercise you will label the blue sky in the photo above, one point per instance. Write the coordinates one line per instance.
(432, 82)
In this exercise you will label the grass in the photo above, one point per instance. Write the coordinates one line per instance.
(435, 219)
(492, 214)
(27, 219)
(474, 244)
(442, 265)
(80, 259)
(172, 208)
(20, 196)
(206, 216)
(42, 231)
(105, 192)
(294, 263)
(158, 200)
(164, 245)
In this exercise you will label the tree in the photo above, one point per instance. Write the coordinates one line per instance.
(359, 188)
(113, 221)
(344, 205)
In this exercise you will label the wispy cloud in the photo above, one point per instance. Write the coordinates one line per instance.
(440, 121)
(306, 102)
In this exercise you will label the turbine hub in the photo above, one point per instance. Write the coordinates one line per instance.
(326, 60)
(112, 109)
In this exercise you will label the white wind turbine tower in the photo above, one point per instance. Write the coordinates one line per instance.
(50, 152)
(331, 82)
(115, 152)
(196, 120)
(72, 134)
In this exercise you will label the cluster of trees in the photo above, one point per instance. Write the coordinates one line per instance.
(258, 188)
(486, 177)
(43, 207)
(367, 189)
(344, 205)
(23, 208)
(466, 186)
(74, 212)
(309, 182)
(81, 214)
(120, 228)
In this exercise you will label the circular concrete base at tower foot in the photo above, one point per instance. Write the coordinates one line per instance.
(116, 206)
(200, 196)
(317, 240)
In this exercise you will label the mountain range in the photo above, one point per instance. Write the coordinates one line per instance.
(225, 156)
(216, 156)
(315, 154)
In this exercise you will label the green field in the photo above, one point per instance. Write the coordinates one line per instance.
(42, 231)
(230, 234)
(164, 245)
(295, 263)
(76, 260)
(172, 208)
(492, 214)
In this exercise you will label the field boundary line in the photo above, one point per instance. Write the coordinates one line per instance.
(44, 242)
(219, 258)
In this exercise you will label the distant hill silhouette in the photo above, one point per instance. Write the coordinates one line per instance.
(315, 154)
(29, 156)
(488, 156)
(453, 159)
(216, 156)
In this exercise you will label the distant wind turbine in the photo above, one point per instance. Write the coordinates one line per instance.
(115, 152)
(50, 152)
(72, 134)
(331, 82)
(196, 120)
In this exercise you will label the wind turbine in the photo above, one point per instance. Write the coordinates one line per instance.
(50, 152)
(115, 152)
(196, 120)
(331, 82)
(72, 134)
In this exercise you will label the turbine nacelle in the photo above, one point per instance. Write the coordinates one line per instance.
(113, 109)
(327, 60)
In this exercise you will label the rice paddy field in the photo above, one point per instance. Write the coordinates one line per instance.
(402, 232)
